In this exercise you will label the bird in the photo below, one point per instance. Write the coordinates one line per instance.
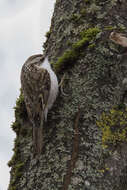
(39, 86)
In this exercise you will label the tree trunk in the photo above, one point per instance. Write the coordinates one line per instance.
(85, 137)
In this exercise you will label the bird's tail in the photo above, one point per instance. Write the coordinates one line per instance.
(38, 137)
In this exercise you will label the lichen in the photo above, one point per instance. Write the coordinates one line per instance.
(93, 9)
(113, 3)
(113, 126)
(110, 28)
(75, 17)
(119, 28)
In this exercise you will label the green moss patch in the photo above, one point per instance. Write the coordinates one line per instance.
(90, 33)
(17, 165)
(17, 173)
(47, 35)
(119, 28)
(70, 56)
(113, 126)
(16, 162)
(20, 115)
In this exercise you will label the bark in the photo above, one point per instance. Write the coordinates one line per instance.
(85, 144)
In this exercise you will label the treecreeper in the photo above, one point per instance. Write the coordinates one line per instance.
(39, 85)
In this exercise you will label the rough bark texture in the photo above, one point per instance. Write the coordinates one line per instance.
(77, 153)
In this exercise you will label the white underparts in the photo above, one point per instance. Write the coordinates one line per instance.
(54, 86)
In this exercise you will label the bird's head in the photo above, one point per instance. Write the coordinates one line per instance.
(35, 60)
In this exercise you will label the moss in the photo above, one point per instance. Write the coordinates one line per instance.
(70, 56)
(20, 109)
(16, 127)
(18, 169)
(113, 126)
(13, 188)
(120, 28)
(87, 1)
(80, 44)
(16, 156)
(16, 162)
(47, 35)
(17, 165)
(17, 172)
(90, 33)
(69, 43)
(91, 46)
(83, 12)
(12, 161)
(110, 28)
(20, 114)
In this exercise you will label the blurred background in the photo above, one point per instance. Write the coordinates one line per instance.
(23, 25)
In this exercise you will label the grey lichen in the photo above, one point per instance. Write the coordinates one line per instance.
(93, 8)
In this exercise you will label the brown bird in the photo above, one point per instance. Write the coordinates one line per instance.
(40, 88)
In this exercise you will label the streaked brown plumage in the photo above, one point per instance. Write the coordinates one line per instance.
(36, 87)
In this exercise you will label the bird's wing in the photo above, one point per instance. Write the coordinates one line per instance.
(36, 85)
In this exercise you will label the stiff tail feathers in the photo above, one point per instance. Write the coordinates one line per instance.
(38, 136)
